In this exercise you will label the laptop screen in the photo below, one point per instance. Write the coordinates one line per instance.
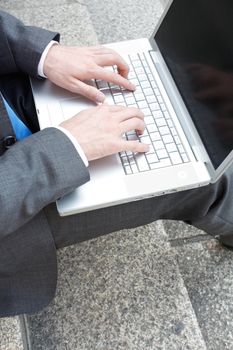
(196, 41)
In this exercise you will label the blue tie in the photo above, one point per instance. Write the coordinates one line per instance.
(20, 129)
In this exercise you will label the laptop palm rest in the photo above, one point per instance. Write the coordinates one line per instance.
(113, 187)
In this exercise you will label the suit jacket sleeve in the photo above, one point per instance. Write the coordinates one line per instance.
(35, 172)
(21, 46)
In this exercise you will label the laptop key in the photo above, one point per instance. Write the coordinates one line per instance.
(155, 136)
(139, 70)
(162, 153)
(184, 157)
(128, 169)
(151, 128)
(149, 92)
(145, 84)
(142, 104)
(171, 147)
(154, 106)
(167, 139)
(175, 158)
(157, 114)
(118, 98)
(164, 130)
(139, 96)
(146, 111)
(142, 77)
(142, 163)
(152, 158)
(151, 99)
(161, 164)
(101, 84)
(159, 145)
(161, 122)
(130, 101)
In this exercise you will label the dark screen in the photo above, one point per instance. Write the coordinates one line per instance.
(196, 41)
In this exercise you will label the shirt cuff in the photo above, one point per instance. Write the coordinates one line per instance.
(40, 68)
(75, 143)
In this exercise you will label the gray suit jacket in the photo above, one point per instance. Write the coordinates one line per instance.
(33, 172)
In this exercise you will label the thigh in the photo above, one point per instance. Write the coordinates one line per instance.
(202, 207)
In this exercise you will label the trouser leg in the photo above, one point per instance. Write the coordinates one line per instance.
(208, 208)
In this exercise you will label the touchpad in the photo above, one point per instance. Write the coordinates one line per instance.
(73, 105)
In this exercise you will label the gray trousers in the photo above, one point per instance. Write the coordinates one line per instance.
(209, 208)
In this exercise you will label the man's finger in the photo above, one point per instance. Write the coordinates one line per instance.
(108, 57)
(129, 112)
(132, 124)
(88, 91)
(134, 146)
(113, 59)
(111, 77)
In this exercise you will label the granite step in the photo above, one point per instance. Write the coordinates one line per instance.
(11, 335)
(121, 291)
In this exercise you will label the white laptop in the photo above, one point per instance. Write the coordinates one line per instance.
(175, 71)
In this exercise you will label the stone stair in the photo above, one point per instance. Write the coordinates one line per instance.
(122, 291)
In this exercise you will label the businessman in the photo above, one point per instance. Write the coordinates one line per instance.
(38, 167)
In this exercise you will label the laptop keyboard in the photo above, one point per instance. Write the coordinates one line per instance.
(166, 148)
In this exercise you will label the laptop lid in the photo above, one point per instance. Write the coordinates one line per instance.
(195, 40)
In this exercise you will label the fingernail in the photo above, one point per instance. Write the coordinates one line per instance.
(133, 86)
(100, 98)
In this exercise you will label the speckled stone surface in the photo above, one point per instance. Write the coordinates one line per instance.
(31, 4)
(179, 230)
(72, 20)
(207, 270)
(121, 291)
(10, 334)
(123, 20)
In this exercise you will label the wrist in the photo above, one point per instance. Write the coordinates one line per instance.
(76, 144)
(49, 57)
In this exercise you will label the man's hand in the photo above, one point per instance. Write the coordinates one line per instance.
(69, 67)
(99, 130)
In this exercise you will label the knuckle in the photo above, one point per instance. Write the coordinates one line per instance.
(91, 70)
(91, 93)
(75, 88)
(138, 121)
(87, 90)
